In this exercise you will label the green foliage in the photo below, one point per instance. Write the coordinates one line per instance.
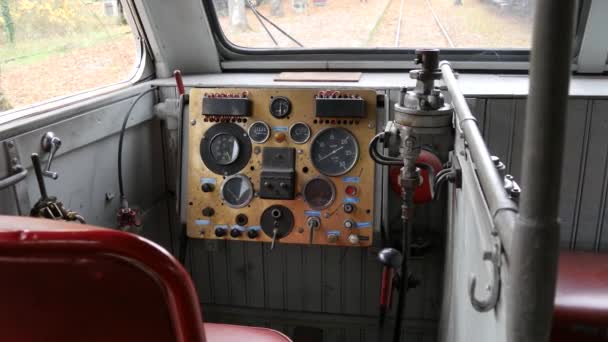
(4, 104)
(40, 19)
(7, 20)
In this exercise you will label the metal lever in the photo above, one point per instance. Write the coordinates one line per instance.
(50, 144)
(313, 224)
(39, 173)
(490, 302)
(275, 231)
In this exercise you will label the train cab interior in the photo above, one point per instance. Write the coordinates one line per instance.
(303, 170)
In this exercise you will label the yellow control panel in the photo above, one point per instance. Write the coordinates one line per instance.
(281, 165)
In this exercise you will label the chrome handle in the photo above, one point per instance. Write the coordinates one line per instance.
(50, 143)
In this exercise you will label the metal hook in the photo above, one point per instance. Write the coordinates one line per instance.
(489, 303)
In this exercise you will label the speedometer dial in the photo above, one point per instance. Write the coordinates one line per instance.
(334, 151)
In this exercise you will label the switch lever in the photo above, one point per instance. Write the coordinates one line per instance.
(50, 143)
(313, 224)
(275, 231)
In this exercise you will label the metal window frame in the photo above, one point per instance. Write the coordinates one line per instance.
(234, 57)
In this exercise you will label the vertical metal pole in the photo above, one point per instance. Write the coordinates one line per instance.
(533, 263)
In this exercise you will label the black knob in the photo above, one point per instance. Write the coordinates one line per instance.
(208, 211)
(208, 187)
(390, 257)
(349, 208)
(252, 233)
(241, 219)
(220, 231)
(235, 232)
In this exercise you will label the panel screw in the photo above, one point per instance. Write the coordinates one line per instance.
(193, 122)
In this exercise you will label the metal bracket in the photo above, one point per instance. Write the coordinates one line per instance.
(50, 143)
(18, 172)
(489, 303)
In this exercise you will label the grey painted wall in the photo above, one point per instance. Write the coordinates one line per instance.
(335, 289)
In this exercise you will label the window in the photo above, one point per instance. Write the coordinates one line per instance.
(460, 24)
(54, 48)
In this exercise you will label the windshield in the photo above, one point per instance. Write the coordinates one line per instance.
(470, 24)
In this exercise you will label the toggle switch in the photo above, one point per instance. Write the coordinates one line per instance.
(207, 187)
(348, 208)
(349, 224)
(208, 211)
(313, 224)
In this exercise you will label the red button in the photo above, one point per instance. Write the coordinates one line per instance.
(351, 190)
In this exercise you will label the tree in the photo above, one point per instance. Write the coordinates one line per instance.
(238, 16)
(276, 8)
(9, 25)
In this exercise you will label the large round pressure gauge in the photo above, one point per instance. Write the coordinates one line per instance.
(236, 191)
(319, 193)
(224, 148)
(334, 151)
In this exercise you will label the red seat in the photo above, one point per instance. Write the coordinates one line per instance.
(70, 282)
(581, 298)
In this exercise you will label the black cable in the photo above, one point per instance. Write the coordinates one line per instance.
(404, 281)
(276, 26)
(257, 15)
(379, 158)
(122, 136)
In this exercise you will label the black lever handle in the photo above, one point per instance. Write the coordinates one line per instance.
(39, 178)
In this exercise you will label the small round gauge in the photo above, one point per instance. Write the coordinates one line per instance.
(224, 148)
(299, 132)
(334, 151)
(280, 107)
(259, 132)
(236, 191)
(319, 193)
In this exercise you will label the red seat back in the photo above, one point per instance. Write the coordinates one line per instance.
(70, 282)
(581, 298)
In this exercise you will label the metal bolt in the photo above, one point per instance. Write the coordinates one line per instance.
(193, 122)
(10, 144)
(109, 196)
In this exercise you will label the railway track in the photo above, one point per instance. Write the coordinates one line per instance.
(428, 9)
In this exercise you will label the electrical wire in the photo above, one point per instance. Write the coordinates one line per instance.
(121, 139)
(377, 156)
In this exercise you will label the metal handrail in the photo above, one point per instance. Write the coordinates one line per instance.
(502, 209)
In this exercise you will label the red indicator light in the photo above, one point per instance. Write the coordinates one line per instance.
(351, 190)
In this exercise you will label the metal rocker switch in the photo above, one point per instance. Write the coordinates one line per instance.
(313, 224)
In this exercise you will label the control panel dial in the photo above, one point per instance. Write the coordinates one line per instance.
(299, 133)
(224, 148)
(236, 191)
(319, 193)
(259, 132)
(334, 151)
(280, 107)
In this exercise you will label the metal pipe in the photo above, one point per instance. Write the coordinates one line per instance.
(533, 265)
(503, 210)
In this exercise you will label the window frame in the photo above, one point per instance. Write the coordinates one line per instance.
(234, 57)
(137, 74)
